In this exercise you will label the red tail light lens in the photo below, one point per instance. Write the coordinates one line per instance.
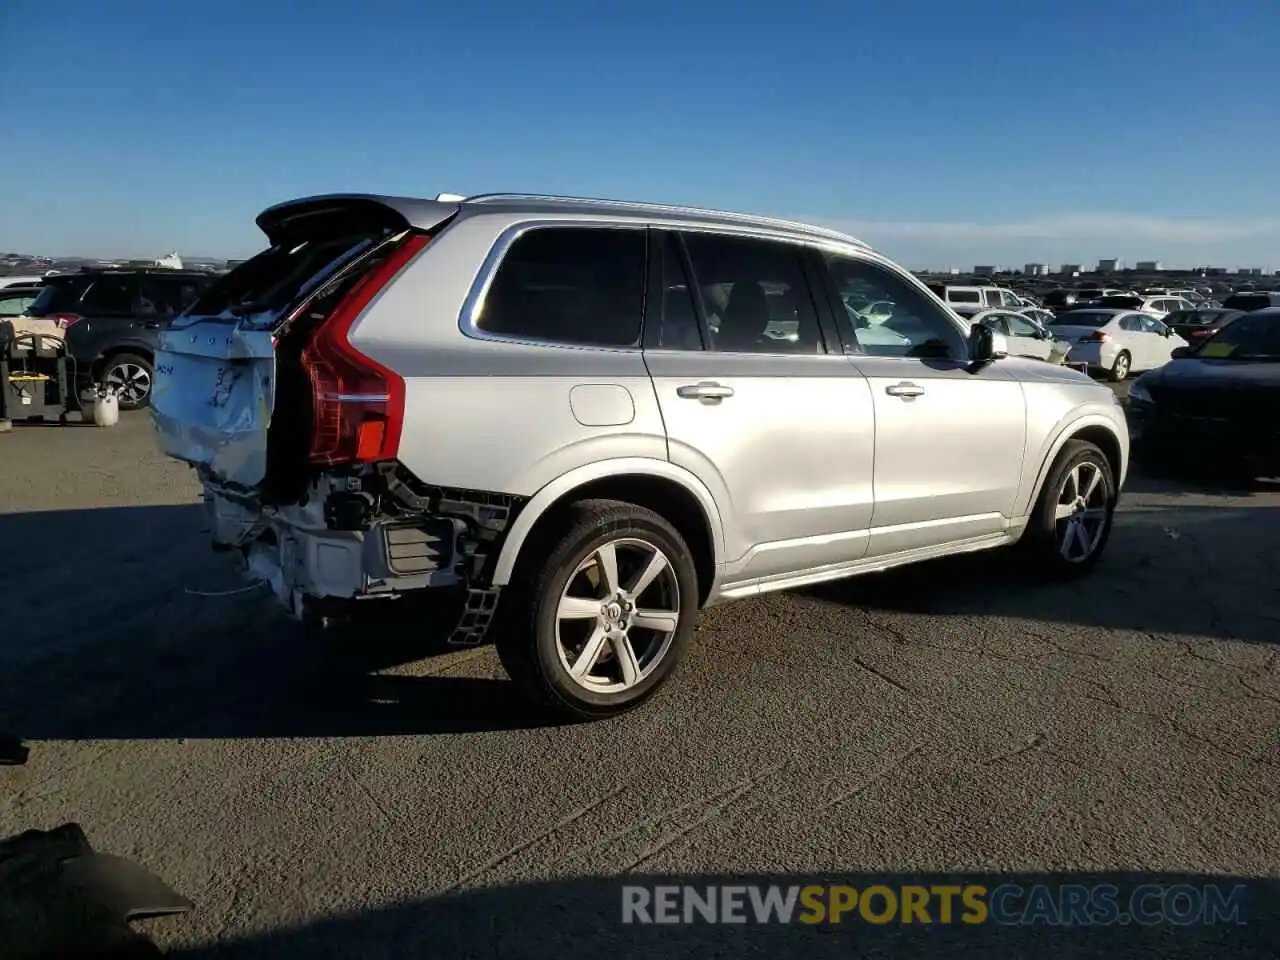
(357, 405)
(64, 320)
(1096, 337)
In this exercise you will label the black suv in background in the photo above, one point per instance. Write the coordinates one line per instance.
(112, 319)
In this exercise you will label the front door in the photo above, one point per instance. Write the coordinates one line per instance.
(950, 438)
(781, 430)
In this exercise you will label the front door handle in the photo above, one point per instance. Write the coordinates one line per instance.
(906, 390)
(706, 390)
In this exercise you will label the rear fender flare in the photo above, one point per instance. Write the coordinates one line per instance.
(555, 491)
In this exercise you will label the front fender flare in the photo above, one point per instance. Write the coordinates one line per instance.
(1067, 428)
(566, 483)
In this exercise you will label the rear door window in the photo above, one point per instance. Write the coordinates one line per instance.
(110, 295)
(571, 285)
(166, 296)
(754, 295)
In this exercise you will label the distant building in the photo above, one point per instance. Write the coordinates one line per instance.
(1215, 271)
(1070, 269)
(1108, 266)
(1148, 266)
(1036, 269)
(1250, 271)
(984, 271)
(170, 260)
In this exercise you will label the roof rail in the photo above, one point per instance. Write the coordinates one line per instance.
(746, 218)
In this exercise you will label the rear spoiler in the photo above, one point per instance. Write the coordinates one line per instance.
(396, 213)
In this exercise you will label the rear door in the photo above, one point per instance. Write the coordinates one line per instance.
(949, 437)
(778, 427)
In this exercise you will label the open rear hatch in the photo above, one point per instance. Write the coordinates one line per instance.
(245, 389)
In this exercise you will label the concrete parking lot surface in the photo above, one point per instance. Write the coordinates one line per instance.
(953, 718)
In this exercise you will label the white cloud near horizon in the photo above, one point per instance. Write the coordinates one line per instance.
(1216, 241)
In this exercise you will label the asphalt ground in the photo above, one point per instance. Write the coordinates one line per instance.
(386, 799)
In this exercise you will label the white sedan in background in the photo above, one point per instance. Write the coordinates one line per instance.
(1026, 337)
(1116, 342)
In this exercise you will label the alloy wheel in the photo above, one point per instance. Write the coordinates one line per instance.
(1081, 514)
(132, 382)
(617, 615)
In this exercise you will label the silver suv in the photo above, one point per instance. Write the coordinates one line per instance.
(588, 419)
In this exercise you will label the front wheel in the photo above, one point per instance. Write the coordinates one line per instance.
(597, 617)
(1071, 523)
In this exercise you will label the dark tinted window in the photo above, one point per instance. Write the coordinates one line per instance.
(754, 294)
(1083, 318)
(165, 296)
(890, 317)
(570, 285)
(60, 296)
(964, 296)
(110, 294)
(678, 323)
(1252, 336)
(1247, 301)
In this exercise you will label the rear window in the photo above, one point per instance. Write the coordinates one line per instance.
(963, 296)
(1247, 301)
(60, 296)
(572, 285)
(14, 305)
(280, 275)
(1083, 318)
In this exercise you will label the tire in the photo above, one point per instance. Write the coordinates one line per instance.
(1043, 541)
(130, 368)
(539, 649)
(1120, 369)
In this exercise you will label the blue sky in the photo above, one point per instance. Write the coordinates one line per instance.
(941, 132)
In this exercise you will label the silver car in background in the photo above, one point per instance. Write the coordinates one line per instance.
(589, 419)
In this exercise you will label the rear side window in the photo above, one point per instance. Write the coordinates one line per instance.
(963, 296)
(570, 285)
(110, 294)
(754, 294)
(58, 297)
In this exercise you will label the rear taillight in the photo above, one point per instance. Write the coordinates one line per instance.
(1096, 337)
(357, 404)
(64, 320)
(1199, 333)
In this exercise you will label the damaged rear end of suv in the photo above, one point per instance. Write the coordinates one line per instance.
(295, 433)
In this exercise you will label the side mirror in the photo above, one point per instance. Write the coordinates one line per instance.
(1181, 353)
(986, 344)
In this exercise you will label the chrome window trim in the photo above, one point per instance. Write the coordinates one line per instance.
(473, 305)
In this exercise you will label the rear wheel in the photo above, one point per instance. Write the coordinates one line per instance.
(1071, 522)
(131, 376)
(597, 617)
(1120, 369)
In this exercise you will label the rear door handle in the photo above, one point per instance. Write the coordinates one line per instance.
(706, 390)
(905, 390)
